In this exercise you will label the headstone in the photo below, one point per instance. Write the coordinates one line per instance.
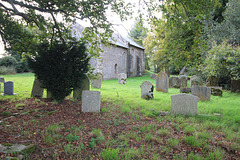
(153, 76)
(147, 90)
(37, 90)
(211, 81)
(184, 104)
(235, 86)
(96, 83)
(100, 75)
(183, 80)
(85, 85)
(162, 82)
(91, 101)
(182, 70)
(9, 88)
(185, 90)
(204, 93)
(122, 78)
(49, 94)
(216, 91)
(196, 81)
(2, 79)
(174, 82)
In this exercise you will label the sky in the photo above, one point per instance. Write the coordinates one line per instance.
(123, 27)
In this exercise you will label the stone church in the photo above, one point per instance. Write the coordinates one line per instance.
(122, 56)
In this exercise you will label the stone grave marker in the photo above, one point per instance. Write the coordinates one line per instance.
(183, 80)
(235, 86)
(196, 81)
(49, 94)
(147, 90)
(184, 104)
(174, 82)
(1, 80)
(96, 83)
(162, 82)
(122, 78)
(85, 85)
(185, 90)
(37, 90)
(216, 91)
(204, 93)
(91, 101)
(211, 81)
(153, 76)
(9, 88)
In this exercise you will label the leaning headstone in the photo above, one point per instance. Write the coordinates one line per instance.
(153, 76)
(91, 101)
(147, 90)
(96, 83)
(235, 86)
(37, 90)
(196, 81)
(183, 80)
(174, 82)
(122, 78)
(184, 104)
(162, 82)
(204, 93)
(85, 85)
(211, 81)
(216, 91)
(185, 90)
(9, 88)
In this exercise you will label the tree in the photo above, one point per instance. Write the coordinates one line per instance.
(25, 23)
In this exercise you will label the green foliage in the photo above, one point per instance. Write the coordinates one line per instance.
(71, 138)
(59, 67)
(110, 154)
(7, 70)
(8, 61)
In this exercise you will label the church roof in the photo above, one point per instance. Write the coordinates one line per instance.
(116, 39)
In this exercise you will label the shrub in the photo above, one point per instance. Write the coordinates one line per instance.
(7, 70)
(60, 67)
(8, 61)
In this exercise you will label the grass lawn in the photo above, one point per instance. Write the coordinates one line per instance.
(128, 127)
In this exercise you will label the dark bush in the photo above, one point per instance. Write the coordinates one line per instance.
(8, 61)
(59, 67)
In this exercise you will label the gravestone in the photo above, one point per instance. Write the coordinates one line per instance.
(153, 76)
(147, 90)
(235, 86)
(182, 70)
(100, 75)
(204, 93)
(211, 81)
(85, 85)
(185, 90)
(184, 104)
(216, 91)
(37, 90)
(2, 79)
(174, 82)
(183, 80)
(9, 88)
(196, 81)
(162, 82)
(49, 94)
(122, 78)
(91, 101)
(96, 83)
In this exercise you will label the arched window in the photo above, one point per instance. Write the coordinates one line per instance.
(116, 69)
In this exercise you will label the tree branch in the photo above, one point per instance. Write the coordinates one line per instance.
(57, 26)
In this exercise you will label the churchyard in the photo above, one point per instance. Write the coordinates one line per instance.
(127, 126)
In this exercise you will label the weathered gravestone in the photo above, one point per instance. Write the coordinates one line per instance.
(174, 82)
(1, 80)
(153, 76)
(162, 82)
(196, 81)
(235, 86)
(204, 93)
(211, 81)
(85, 85)
(37, 90)
(183, 71)
(96, 83)
(184, 104)
(183, 80)
(147, 90)
(185, 90)
(9, 88)
(216, 91)
(122, 78)
(49, 94)
(91, 101)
